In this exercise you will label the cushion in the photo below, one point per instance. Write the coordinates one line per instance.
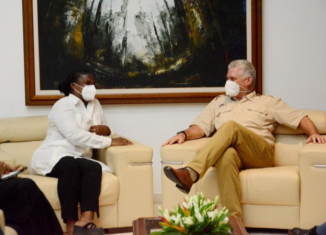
(48, 185)
(271, 186)
(21, 129)
(287, 149)
(22, 151)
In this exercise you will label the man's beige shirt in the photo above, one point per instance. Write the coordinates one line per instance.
(258, 113)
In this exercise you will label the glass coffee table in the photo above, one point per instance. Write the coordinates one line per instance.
(144, 226)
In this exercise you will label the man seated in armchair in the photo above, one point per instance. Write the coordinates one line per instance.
(244, 122)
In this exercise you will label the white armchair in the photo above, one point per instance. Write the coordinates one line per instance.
(126, 194)
(289, 194)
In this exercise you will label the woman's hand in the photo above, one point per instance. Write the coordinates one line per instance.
(100, 130)
(12, 168)
(120, 142)
(4, 168)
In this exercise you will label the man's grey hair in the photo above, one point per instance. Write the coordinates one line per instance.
(248, 70)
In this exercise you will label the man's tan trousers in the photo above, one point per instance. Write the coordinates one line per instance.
(233, 147)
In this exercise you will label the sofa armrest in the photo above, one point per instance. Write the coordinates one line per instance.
(182, 154)
(312, 170)
(4, 157)
(177, 156)
(132, 165)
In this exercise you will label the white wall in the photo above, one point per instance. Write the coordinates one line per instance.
(293, 50)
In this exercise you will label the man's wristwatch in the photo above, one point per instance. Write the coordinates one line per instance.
(183, 132)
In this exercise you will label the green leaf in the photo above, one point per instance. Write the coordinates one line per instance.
(207, 207)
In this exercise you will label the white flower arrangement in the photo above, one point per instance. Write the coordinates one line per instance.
(195, 216)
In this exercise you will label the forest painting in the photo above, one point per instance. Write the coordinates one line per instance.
(141, 43)
(140, 51)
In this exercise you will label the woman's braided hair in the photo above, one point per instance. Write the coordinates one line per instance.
(64, 87)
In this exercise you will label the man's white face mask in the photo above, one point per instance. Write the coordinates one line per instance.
(88, 92)
(232, 88)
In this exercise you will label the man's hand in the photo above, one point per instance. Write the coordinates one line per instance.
(310, 129)
(179, 138)
(193, 132)
(316, 138)
(100, 130)
(120, 142)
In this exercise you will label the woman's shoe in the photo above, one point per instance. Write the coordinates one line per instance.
(299, 231)
(88, 229)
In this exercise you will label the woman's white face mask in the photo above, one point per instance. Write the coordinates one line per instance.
(88, 92)
(232, 88)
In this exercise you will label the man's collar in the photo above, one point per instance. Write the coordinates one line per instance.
(250, 96)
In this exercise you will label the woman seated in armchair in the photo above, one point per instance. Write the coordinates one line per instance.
(76, 125)
(25, 207)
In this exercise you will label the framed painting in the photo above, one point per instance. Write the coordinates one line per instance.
(139, 51)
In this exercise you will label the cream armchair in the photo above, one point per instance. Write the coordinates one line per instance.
(290, 194)
(126, 195)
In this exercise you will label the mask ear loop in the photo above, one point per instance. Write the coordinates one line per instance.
(78, 85)
(77, 90)
(245, 88)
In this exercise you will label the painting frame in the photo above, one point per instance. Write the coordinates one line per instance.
(32, 98)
